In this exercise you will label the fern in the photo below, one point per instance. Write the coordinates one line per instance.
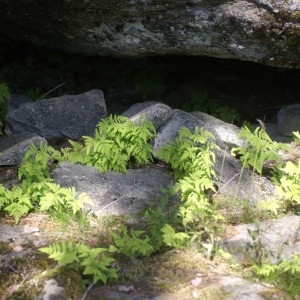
(57, 199)
(260, 149)
(131, 244)
(34, 166)
(192, 158)
(17, 204)
(288, 185)
(286, 274)
(117, 143)
(189, 151)
(92, 261)
(172, 238)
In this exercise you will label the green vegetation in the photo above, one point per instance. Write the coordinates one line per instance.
(92, 262)
(117, 143)
(4, 97)
(260, 152)
(286, 274)
(202, 102)
(194, 223)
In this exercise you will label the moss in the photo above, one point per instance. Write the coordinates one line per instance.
(4, 248)
(275, 294)
(211, 292)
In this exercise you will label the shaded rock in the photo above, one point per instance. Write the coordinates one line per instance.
(14, 147)
(275, 135)
(115, 193)
(288, 119)
(260, 31)
(16, 101)
(69, 116)
(278, 239)
(157, 113)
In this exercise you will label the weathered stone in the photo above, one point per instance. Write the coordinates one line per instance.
(275, 135)
(228, 133)
(288, 119)
(69, 116)
(157, 113)
(115, 193)
(241, 184)
(14, 147)
(52, 291)
(261, 31)
(233, 180)
(278, 239)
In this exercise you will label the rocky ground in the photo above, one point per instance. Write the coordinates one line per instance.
(256, 91)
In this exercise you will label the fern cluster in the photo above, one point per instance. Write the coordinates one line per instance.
(192, 158)
(35, 164)
(117, 142)
(132, 244)
(91, 262)
(260, 150)
(286, 274)
(36, 191)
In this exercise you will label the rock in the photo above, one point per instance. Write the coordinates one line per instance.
(241, 184)
(288, 119)
(115, 193)
(233, 180)
(275, 135)
(224, 133)
(14, 147)
(52, 291)
(260, 31)
(66, 116)
(157, 113)
(278, 239)
(227, 133)
(16, 101)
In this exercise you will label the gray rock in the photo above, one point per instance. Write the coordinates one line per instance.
(157, 113)
(169, 131)
(233, 180)
(241, 289)
(260, 31)
(227, 133)
(278, 239)
(70, 116)
(52, 291)
(115, 193)
(274, 134)
(14, 147)
(241, 184)
(16, 101)
(288, 119)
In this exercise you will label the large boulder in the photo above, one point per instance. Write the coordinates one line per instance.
(66, 116)
(261, 31)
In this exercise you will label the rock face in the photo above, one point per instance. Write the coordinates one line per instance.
(69, 116)
(261, 31)
(115, 193)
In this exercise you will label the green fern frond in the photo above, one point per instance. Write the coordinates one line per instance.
(18, 204)
(64, 252)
